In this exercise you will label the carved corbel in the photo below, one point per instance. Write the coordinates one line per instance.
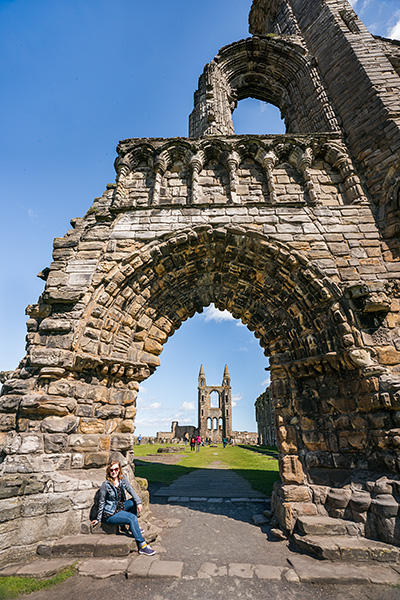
(269, 160)
(232, 163)
(121, 194)
(304, 164)
(196, 165)
(351, 182)
(160, 166)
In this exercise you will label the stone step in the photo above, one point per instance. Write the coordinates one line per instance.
(151, 531)
(318, 525)
(345, 547)
(38, 569)
(303, 569)
(88, 545)
(309, 570)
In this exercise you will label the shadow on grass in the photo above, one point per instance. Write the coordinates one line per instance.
(271, 451)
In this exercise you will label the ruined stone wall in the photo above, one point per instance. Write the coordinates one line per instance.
(244, 437)
(274, 69)
(360, 76)
(265, 417)
(178, 432)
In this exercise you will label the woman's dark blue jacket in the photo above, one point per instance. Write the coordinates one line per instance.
(108, 497)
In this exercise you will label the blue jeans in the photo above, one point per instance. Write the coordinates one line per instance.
(124, 517)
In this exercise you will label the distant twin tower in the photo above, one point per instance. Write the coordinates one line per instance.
(215, 417)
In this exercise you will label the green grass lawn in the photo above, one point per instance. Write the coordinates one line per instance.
(12, 587)
(258, 465)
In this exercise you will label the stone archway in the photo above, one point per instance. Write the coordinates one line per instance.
(275, 70)
(324, 382)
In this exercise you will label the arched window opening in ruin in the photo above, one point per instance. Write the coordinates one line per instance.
(215, 423)
(214, 400)
(256, 117)
(209, 423)
(220, 424)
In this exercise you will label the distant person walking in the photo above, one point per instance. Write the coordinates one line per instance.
(192, 443)
(198, 443)
(139, 439)
(224, 441)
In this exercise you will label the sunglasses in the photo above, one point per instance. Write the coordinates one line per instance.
(115, 469)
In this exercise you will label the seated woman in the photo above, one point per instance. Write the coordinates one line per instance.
(114, 508)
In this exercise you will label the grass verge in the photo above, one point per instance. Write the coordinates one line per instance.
(258, 465)
(12, 587)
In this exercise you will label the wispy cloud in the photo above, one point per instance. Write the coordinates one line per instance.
(236, 398)
(266, 382)
(188, 406)
(148, 404)
(33, 216)
(158, 421)
(394, 32)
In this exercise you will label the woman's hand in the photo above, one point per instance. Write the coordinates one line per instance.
(139, 508)
(94, 522)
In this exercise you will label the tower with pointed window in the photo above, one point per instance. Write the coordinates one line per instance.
(215, 407)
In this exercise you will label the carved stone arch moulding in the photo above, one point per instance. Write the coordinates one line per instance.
(180, 274)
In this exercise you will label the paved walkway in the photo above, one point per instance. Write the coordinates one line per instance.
(214, 483)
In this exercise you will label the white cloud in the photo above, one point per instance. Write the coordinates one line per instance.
(33, 215)
(236, 398)
(148, 404)
(394, 33)
(353, 2)
(188, 406)
(266, 382)
(158, 421)
(214, 314)
(142, 389)
(243, 349)
(211, 313)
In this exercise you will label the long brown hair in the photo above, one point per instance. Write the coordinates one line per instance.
(108, 475)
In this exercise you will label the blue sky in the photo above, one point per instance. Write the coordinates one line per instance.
(77, 76)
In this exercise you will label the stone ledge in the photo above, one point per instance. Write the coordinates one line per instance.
(88, 546)
(103, 568)
(38, 569)
(347, 548)
(312, 571)
(144, 566)
(318, 525)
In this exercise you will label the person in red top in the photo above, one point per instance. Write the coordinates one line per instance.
(198, 443)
